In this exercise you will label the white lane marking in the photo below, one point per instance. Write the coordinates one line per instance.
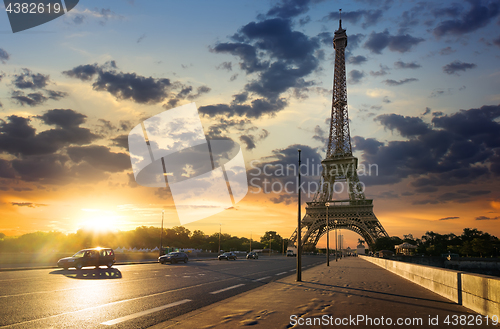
(228, 288)
(293, 270)
(266, 277)
(281, 273)
(136, 315)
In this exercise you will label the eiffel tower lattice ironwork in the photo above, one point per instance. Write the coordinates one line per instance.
(356, 213)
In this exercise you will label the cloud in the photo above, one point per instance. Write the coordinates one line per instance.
(487, 218)
(497, 41)
(457, 149)
(141, 38)
(64, 118)
(19, 138)
(4, 56)
(457, 66)
(371, 17)
(400, 43)
(383, 71)
(448, 218)
(99, 157)
(251, 140)
(403, 65)
(278, 57)
(131, 86)
(356, 60)
(225, 66)
(479, 15)
(28, 204)
(289, 8)
(32, 99)
(447, 51)
(355, 76)
(29, 80)
(391, 82)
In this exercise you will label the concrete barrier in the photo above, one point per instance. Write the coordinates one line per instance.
(479, 293)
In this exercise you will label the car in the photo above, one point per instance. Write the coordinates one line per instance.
(227, 256)
(89, 257)
(173, 257)
(252, 255)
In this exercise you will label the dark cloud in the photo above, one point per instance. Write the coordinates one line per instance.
(141, 38)
(448, 218)
(457, 149)
(447, 51)
(370, 17)
(356, 60)
(29, 80)
(28, 204)
(99, 157)
(320, 135)
(64, 118)
(4, 56)
(391, 82)
(403, 65)
(250, 140)
(401, 43)
(255, 109)
(457, 66)
(134, 87)
(19, 138)
(355, 76)
(121, 141)
(281, 168)
(31, 99)
(497, 41)
(487, 218)
(280, 59)
(289, 8)
(479, 15)
(383, 71)
(354, 41)
(225, 66)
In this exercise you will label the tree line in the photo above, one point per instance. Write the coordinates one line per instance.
(472, 243)
(142, 237)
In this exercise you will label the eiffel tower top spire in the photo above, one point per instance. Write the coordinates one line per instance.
(339, 141)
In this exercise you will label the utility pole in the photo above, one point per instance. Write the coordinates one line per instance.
(161, 232)
(299, 235)
(250, 241)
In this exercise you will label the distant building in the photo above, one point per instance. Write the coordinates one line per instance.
(405, 249)
(360, 249)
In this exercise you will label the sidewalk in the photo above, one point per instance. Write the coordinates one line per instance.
(347, 290)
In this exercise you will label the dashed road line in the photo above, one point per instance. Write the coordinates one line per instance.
(228, 288)
(257, 280)
(139, 314)
(281, 273)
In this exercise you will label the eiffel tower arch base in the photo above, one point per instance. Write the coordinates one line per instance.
(356, 216)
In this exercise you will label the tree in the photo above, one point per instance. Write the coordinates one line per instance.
(271, 238)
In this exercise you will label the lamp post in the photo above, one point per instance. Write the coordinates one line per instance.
(161, 232)
(299, 235)
(327, 236)
(335, 223)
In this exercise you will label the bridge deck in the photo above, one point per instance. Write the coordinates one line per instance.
(347, 289)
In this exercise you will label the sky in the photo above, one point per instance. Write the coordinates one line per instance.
(423, 84)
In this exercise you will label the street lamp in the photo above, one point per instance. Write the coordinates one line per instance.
(299, 235)
(335, 223)
(327, 236)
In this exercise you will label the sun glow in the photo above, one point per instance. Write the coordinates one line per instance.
(99, 220)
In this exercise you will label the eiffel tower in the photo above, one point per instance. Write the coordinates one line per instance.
(356, 213)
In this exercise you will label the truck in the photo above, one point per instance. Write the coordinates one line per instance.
(291, 252)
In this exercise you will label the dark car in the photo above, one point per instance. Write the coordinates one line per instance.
(173, 258)
(89, 257)
(252, 255)
(227, 256)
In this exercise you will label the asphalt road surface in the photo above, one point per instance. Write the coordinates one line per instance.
(130, 296)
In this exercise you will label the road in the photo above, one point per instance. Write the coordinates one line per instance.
(130, 296)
